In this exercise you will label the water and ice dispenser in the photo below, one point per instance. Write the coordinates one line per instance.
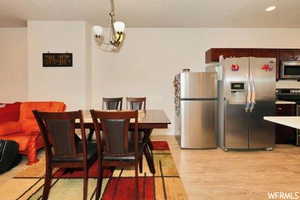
(237, 93)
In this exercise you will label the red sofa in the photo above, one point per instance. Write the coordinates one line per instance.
(17, 123)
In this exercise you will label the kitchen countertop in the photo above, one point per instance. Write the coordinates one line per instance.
(293, 122)
(285, 102)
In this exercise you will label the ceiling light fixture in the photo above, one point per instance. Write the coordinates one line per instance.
(117, 32)
(270, 8)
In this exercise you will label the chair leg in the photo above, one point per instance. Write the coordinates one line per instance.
(85, 183)
(141, 164)
(48, 178)
(99, 181)
(136, 180)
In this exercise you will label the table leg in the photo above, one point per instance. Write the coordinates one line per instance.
(148, 150)
(147, 137)
(149, 158)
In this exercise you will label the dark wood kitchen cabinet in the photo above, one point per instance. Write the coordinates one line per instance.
(297, 54)
(284, 134)
(264, 53)
(289, 54)
(286, 55)
(212, 55)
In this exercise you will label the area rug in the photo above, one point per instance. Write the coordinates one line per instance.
(118, 184)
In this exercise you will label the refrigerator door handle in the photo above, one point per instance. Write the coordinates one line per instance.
(248, 98)
(252, 92)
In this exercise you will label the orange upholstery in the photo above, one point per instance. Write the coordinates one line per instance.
(29, 126)
(27, 119)
(26, 131)
(9, 127)
(9, 112)
(26, 108)
(20, 138)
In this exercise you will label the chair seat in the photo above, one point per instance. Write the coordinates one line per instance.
(91, 152)
(126, 158)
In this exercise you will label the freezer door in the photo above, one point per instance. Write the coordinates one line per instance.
(261, 132)
(198, 85)
(236, 70)
(198, 120)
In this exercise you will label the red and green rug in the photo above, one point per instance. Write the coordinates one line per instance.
(118, 184)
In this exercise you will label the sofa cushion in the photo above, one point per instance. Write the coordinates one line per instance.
(10, 127)
(28, 126)
(58, 107)
(27, 108)
(9, 112)
(20, 138)
(27, 119)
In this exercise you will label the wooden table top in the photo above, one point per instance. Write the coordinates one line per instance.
(146, 119)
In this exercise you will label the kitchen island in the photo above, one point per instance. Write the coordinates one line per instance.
(291, 121)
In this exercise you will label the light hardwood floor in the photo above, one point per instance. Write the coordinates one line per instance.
(215, 174)
(218, 175)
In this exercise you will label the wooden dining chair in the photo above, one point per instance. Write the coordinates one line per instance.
(115, 148)
(64, 149)
(139, 103)
(136, 103)
(112, 103)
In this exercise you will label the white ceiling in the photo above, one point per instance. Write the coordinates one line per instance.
(156, 13)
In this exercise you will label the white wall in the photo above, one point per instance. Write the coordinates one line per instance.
(67, 84)
(88, 58)
(145, 66)
(150, 58)
(13, 64)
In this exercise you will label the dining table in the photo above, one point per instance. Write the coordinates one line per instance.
(148, 120)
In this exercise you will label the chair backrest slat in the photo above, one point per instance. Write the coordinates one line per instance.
(136, 103)
(112, 103)
(115, 135)
(114, 140)
(58, 131)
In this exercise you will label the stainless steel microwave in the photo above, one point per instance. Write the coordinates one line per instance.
(290, 70)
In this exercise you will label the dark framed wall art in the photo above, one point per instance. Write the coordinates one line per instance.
(57, 60)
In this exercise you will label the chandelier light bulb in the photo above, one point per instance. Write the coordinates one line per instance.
(119, 26)
(270, 8)
(116, 36)
(98, 31)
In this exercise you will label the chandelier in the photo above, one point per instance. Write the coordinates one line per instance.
(117, 33)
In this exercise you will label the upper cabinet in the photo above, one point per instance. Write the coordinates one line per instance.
(212, 55)
(264, 53)
(297, 54)
(289, 54)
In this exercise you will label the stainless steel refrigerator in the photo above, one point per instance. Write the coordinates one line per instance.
(196, 109)
(247, 94)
